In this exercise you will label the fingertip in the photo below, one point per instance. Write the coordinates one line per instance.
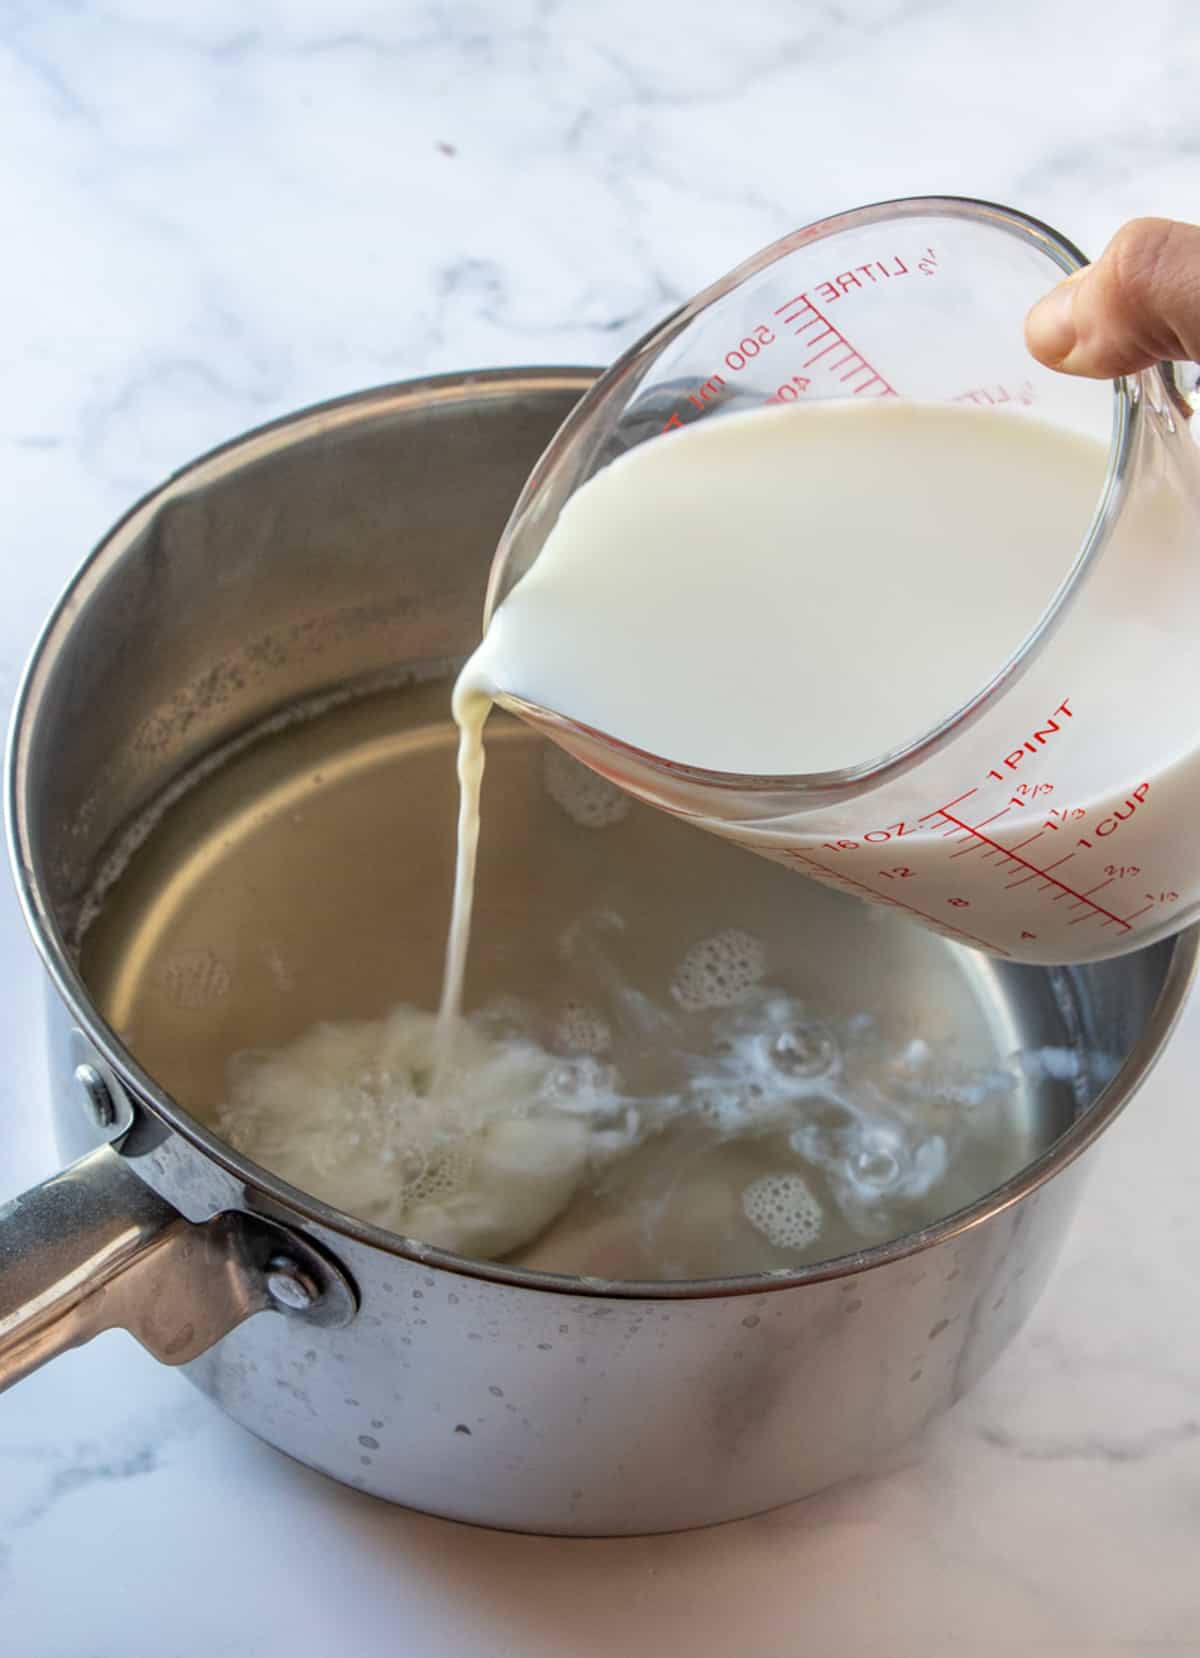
(1050, 331)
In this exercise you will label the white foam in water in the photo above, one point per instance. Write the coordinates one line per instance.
(772, 1066)
(587, 798)
(1060, 1064)
(783, 1209)
(916, 1055)
(483, 1163)
(345, 1113)
(720, 971)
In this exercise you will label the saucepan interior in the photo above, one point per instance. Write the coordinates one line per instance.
(233, 797)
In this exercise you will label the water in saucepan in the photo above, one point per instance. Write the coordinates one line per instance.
(706, 1100)
(676, 1060)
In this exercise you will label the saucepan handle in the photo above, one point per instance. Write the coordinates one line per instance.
(94, 1248)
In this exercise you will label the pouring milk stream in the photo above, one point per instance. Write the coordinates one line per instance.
(800, 591)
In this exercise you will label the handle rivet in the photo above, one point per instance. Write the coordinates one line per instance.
(99, 1101)
(290, 1287)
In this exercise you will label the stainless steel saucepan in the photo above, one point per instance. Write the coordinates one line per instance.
(322, 557)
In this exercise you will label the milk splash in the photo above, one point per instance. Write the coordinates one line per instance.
(548, 1105)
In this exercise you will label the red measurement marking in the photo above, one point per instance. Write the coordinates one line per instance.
(1035, 741)
(1110, 825)
(790, 390)
(836, 878)
(942, 810)
(869, 275)
(815, 329)
(699, 399)
(739, 355)
(994, 817)
(1064, 891)
(1154, 898)
(711, 388)
(996, 394)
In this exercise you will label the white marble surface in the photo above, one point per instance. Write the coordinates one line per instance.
(213, 213)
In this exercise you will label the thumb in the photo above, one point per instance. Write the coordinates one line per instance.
(1139, 304)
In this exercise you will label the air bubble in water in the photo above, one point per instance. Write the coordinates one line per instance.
(877, 1168)
(784, 1210)
(827, 1134)
(194, 978)
(720, 971)
(581, 1029)
(587, 798)
(804, 1051)
(727, 1108)
(584, 1084)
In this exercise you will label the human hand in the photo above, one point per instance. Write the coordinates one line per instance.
(1139, 304)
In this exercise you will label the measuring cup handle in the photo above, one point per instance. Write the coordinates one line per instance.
(94, 1248)
(1182, 381)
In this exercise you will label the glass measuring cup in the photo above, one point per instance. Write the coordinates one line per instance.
(1049, 817)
